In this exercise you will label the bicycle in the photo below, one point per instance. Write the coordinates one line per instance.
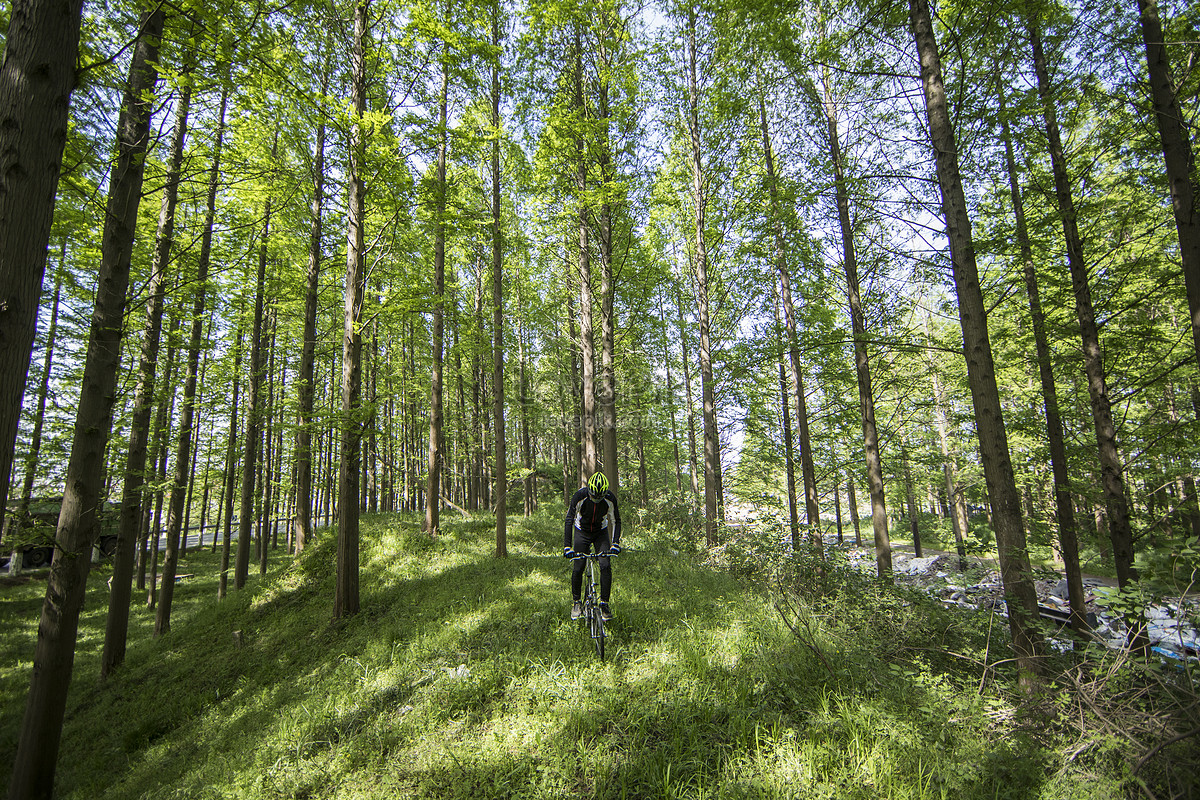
(591, 602)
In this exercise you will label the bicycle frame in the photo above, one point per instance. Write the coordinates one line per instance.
(591, 604)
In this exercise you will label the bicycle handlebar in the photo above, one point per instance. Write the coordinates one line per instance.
(599, 555)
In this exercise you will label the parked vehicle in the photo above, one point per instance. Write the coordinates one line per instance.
(33, 536)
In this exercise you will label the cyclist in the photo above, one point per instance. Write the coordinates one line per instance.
(593, 521)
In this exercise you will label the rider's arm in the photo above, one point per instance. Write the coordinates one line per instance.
(572, 506)
(616, 512)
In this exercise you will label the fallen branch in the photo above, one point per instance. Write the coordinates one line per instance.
(805, 638)
(457, 508)
(1153, 752)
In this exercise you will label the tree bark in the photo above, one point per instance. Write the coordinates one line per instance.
(120, 594)
(501, 454)
(163, 420)
(477, 351)
(837, 510)
(183, 458)
(693, 466)
(712, 450)
(54, 656)
(35, 439)
(36, 80)
(606, 394)
(1186, 481)
(981, 372)
(1056, 438)
(530, 481)
(305, 388)
(433, 495)
(958, 510)
(254, 414)
(346, 600)
(789, 455)
(372, 465)
(1177, 155)
(587, 349)
(910, 494)
(862, 365)
(852, 502)
(576, 409)
(1111, 471)
(670, 398)
(812, 508)
(266, 520)
(230, 463)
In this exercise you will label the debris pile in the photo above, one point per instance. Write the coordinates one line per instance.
(973, 583)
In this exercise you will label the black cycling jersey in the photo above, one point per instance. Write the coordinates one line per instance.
(592, 517)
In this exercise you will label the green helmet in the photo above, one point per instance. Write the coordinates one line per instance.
(598, 484)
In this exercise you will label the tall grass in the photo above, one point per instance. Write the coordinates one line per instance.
(463, 677)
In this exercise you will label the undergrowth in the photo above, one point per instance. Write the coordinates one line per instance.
(732, 674)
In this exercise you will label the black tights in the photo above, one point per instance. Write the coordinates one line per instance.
(584, 545)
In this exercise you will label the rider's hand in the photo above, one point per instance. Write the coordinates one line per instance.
(614, 550)
(569, 553)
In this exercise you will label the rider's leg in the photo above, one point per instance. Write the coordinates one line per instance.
(580, 545)
(602, 546)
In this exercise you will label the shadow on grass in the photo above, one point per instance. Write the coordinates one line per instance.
(703, 693)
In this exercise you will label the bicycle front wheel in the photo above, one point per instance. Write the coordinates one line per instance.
(598, 630)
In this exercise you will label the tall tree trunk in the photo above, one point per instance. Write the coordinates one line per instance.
(163, 421)
(266, 521)
(254, 414)
(331, 430)
(712, 449)
(914, 521)
(1064, 508)
(162, 619)
(1177, 155)
(958, 509)
(476, 393)
(461, 446)
(1111, 472)
(530, 482)
(587, 348)
(807, 469)
(693, 466)
(1187, 480)
(606, 394)
(346, 601)
(862, 364)
(35, 439)
(662, 319)
(54, 656)
(433, 497)
(206, 489)
(117, 624)
(576, 409)
(789, 455)
(230, 484)
(641, 449)
(157, 466)
(837, 509)
(36, 80)
(305, 387)
(372, 465)
(852, 502)
(981, 371)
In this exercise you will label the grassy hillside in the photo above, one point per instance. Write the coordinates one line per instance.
(464, 678)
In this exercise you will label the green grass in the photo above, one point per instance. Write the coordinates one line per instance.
(462, 677)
